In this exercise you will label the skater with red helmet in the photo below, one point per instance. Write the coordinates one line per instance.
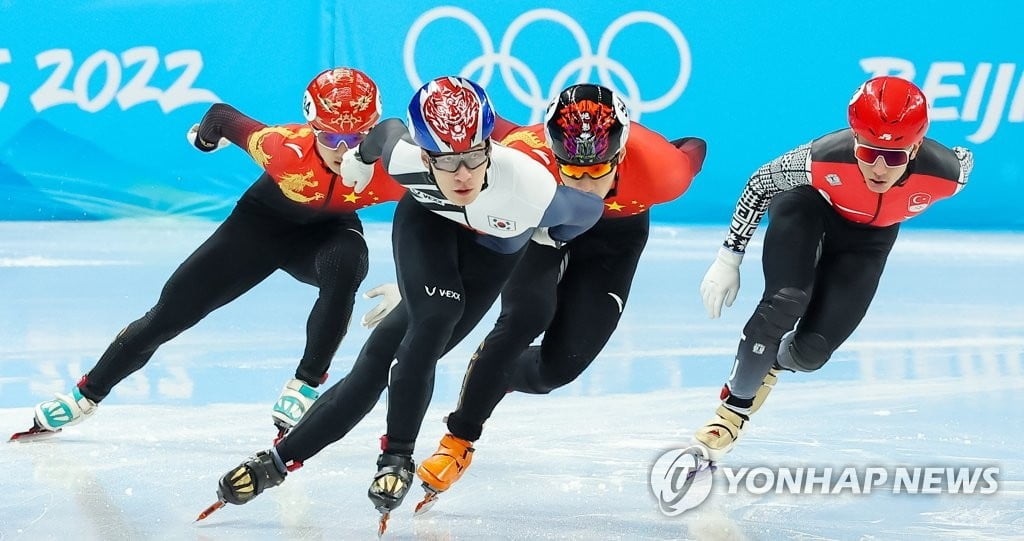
(836, 204)
(298, 216)
(470, 211)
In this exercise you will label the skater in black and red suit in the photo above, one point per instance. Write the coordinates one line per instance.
(472, 208)
(836, 205)
(299, 216)
(574, 293)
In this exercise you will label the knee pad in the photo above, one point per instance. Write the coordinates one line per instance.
(778, 316)
(804, 352)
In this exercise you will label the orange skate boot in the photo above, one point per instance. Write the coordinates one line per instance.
(442, 469)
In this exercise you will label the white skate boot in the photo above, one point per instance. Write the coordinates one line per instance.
(64, 410)
(295, 400)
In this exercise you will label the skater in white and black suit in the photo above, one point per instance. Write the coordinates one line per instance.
(471, 208)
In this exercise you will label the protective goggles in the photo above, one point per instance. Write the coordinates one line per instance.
(452, 161)
(334, 141)
(893, 157)
(595, 170)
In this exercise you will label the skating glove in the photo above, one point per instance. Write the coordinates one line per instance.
(722, 282)
(354, 172)
(193, 137)
(391, 297)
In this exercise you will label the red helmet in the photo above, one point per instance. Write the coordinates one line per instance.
(889, 112)
(342, 100)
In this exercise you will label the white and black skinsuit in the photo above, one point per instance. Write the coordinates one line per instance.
(451, 263)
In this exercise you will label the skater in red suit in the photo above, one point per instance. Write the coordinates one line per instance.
(471, 209)
(836, 204)
(299, 216)
(574, 293)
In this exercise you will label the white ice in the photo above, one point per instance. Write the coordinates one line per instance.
(933, 377)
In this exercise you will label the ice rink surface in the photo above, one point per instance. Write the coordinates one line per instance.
(933, 377)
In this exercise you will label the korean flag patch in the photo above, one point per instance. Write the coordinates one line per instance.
(502, 223)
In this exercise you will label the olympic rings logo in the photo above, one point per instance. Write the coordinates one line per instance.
(589, 60)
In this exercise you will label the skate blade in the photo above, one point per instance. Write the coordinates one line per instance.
(702, 472)
(33, 434)
(705, 466)
(428, 501)
(383, 525)
(209, 510)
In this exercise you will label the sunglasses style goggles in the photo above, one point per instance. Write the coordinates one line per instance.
(451, 162)
(595, 170)
(334, 141)
(892, 157)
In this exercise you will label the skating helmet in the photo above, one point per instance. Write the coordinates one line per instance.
(586, 124)
(889, 112)
(342, 100)
(450, 114)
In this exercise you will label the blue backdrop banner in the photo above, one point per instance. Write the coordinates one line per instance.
(95, 97)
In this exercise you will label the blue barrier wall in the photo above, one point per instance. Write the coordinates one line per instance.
(95, 97)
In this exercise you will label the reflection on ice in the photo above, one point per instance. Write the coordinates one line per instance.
(934, 377)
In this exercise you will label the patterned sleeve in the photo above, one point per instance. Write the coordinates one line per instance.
(788, 171)
(966, 159)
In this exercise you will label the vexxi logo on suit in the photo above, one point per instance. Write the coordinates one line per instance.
(448, 293)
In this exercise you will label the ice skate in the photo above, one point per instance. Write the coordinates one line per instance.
(295, 400)
(720, 433)
(34, 433)
(390, 485)
(249, 479)
(718, 436)
(64, 410)
(53, 415)
(443, 469)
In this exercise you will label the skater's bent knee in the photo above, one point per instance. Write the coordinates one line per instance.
(804, 352)
(560, 374)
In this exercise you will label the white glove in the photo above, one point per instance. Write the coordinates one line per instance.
(193, 133)
(722, 282)
(391, 299)
(354, 173)
(542, 236)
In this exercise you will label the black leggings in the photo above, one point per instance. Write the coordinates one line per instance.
(243, 251)
(448, 282)
(831, 266)
(577, 314)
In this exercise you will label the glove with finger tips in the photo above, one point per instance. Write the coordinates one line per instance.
(721, 282)
(391, 297)
(354, 172)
